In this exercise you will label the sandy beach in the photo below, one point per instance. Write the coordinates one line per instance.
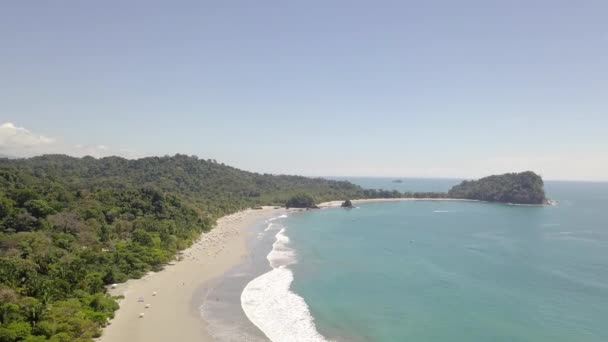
(172, 293)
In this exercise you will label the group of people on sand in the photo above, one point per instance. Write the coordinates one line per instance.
(141, 299)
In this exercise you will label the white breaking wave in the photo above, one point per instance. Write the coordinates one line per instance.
(276, 218)
(268, 228)
(281, 254)
(268, 302)
(444, 211)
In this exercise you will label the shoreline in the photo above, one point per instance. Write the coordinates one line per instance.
(171, 313)
(170, 293)
(334, 204)
(268, 299)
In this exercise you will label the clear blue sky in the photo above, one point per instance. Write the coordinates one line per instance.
(401, 88)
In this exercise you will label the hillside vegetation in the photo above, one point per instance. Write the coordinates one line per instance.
(70, 226)
(520, 188)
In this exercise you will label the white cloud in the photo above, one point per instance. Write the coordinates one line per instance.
(13, 137)
(20, 142)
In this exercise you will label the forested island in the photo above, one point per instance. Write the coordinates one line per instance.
(517, 188)
(71, 226)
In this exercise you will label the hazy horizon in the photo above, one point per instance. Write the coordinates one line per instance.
(310, 175)
(387, 89)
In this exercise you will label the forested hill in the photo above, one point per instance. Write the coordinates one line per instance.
(70, 226)
(520, 188)
(212, 187)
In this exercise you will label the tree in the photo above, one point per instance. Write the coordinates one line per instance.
(6, 206)
(31, 309)
(142, 237)
(38, 208)
(67, 222)
(15, 331)
(300, 201)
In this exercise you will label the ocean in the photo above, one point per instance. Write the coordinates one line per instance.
(434, 270)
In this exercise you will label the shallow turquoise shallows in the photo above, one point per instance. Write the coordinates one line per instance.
(457, 271)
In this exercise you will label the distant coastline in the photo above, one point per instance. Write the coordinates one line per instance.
(337, 204)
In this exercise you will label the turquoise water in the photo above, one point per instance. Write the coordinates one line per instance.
(457, 271)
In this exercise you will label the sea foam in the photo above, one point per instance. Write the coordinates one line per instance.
(276, 218)
(280, 314)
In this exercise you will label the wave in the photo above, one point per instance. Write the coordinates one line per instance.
(276, 218)
(260, 235)
(267, 301)
(444, 211)
(281, 254)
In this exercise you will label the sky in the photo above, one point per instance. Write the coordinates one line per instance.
(319, 88)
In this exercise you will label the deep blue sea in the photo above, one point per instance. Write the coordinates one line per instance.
(441, 270)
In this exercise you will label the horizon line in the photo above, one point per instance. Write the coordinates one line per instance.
(12, 157)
